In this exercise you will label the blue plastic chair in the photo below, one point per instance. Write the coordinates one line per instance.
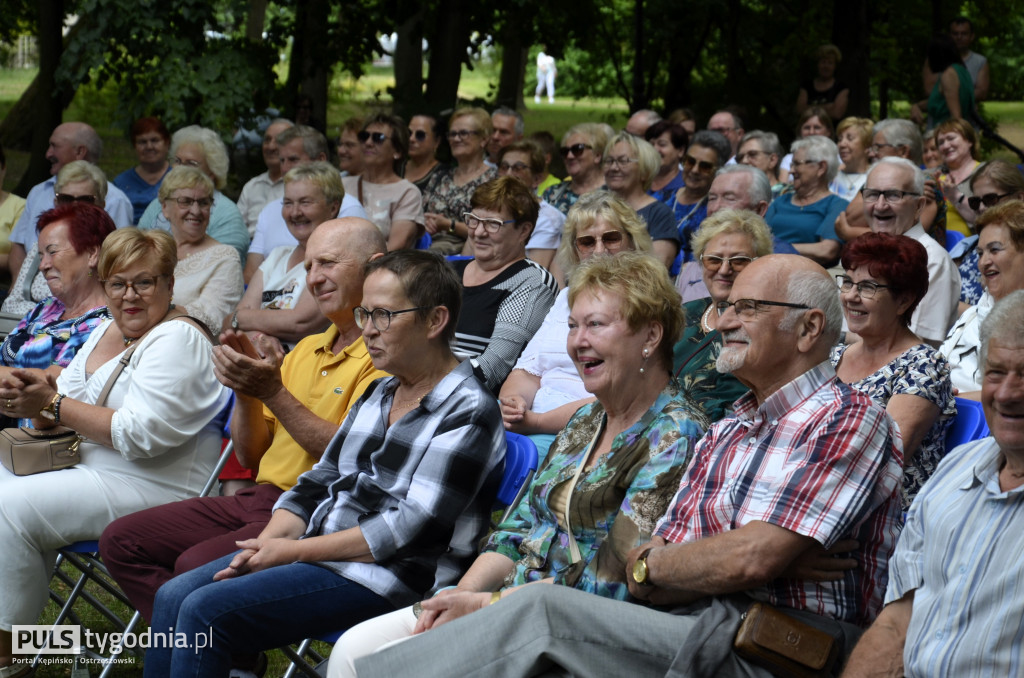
(969, 424)
(424, 242)
(952, 238)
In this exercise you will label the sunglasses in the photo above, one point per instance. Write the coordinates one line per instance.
(587, 243)
(575, 149)
(67, 199)
(703, 166)
(988, 200)
(418, 135)
(378, 137)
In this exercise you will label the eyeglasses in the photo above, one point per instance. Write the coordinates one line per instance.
(516, 167)
(703, 166)
(610, 239)
(740, 157)
(713, 263)
(490, 225)
(380, 317)
(461, 134)
(575, 150)
(988, 200)
(378, 137)
(67, 199)
(866, 289)
(191, 163)
(875, 148)
(797, 163)
(185, 203)
(305, 203)
(418, 135)
(117, 288)
(891, 196)
(618, 162)
(746, 309)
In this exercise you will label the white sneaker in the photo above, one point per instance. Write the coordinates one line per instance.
(536, 100)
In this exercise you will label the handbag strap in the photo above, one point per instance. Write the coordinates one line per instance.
(127, 356)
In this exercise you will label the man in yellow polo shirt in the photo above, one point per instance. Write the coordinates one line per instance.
(287, 409)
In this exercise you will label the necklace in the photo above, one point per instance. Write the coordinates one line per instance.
(128, 341)
(704, 320)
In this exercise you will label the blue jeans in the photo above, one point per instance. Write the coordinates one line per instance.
(250, 613)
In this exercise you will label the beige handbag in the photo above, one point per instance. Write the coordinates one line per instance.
(25, 451)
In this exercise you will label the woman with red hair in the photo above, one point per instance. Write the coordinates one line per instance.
(885, 278)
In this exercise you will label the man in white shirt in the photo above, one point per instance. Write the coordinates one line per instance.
(268, 186)
(297, 145)
(893, 199)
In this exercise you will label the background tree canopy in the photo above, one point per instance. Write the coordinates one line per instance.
(197, 61)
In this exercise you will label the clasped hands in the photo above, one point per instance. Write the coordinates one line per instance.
(251, 368)
(261, 553)
(448, 605)
(26, 391)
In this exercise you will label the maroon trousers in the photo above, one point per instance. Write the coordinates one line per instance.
(146, 549)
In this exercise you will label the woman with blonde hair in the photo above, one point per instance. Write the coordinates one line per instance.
(203, 149)
(583, 150)
(725, 244)
(208, 275)
(448, 194)
(630, 164)
(854, 139)
(544, 389)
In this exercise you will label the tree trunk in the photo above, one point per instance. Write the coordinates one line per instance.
(46, 111)
(256, 20)
(308, 69)
(408, 61)
(851, 34)
(447, 54)
(513, 61)
(640, 92)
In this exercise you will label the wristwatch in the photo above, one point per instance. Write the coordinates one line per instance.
(234, 321)
(641, 575)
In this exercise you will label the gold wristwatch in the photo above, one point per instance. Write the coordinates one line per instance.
(641, 575)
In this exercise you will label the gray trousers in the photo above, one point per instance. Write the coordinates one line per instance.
(556, 631)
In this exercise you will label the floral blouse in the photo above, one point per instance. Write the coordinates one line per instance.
(706, 390)
(921, 371)
(444, 196)
(42, 339)
(971, 288)
(562, 197)
(613, 507)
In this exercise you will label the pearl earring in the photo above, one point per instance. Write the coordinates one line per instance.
(646, 358)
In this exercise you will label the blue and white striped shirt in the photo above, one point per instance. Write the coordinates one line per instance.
(962, 555)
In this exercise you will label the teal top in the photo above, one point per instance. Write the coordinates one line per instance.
(938, 111)
(613, 507)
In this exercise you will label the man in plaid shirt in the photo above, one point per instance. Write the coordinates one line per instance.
(805, 463)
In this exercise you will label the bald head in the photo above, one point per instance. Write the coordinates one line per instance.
(72, 141)
(773, 344)
(639, 122)
(336, 253)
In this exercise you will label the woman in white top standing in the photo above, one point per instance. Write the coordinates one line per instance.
(390, 201)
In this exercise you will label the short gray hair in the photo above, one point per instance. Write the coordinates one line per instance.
(1004, 323)
(819, 149)
(505, 110)
(760, 187)
(899, 132)
(314, 143)
(214, 150)
(768, 141)
(905, 164)
(815, 290)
